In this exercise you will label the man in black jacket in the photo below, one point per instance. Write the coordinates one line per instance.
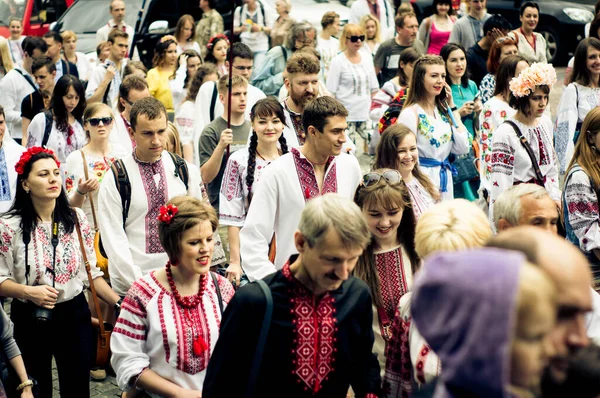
(55, 44)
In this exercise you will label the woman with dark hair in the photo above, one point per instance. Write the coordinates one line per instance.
(66, 112)
(501, 48)
(530, 159)
(165, 64)
(244, 168)
(186, 117)
(42, 268)
(578, 98)
(532, 45)
(185, 34)
(465, 95)
(189, 61)
(494, 113)
(431, 114)
(435, 30)
(217, 53)
(580, 196)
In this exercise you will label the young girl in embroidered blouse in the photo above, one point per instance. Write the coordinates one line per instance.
(41, 266)
(170, 318)
(580, 202)
(164, 65)
(217, 53)
(511, 162)
(244, 168)
(388, 263)
(426, 114)
(66, 135)
(435, 30)
(502, 48)
(398, 150)
(494, 113)
(98, 124)
(578, 98)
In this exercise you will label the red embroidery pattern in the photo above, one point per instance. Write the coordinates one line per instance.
(392, 279)
(231, 186)
(129, 334)
(137, 298)
(315, 329)
(163, 326)
(583, 207)
(7, 237)
(420, 363)
(156, 194)
(226, 287)
(397, 379)
(308, 180)
(543, 151)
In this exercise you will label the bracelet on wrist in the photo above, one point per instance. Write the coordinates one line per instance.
(454, 109)
(79, 192)
(25, 384)
(118, 305)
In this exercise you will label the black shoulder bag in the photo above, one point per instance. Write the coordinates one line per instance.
(539, 178)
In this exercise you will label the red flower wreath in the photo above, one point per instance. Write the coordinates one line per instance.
(167, 213)
(27, 155)
(212, 40)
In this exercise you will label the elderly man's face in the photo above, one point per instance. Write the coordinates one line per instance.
(540, 213)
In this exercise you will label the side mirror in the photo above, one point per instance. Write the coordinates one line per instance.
(52, 26)
(158, 27)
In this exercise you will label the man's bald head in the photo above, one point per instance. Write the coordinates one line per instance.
(570, 271)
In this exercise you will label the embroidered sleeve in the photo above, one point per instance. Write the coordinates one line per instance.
(185, 124)
(232, 204)
(486, 128)
(128, 340)
(582, 210)
(487, 87)
(503, 164)
(564, 129)
(88, 241)
(7, 251)
(397, 378)
(381, 100)
(35, 131)
(227, 291)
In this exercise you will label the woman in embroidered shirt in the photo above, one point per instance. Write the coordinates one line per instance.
(164, 66)
(494, 113)
(244, 168)
(580, 197)
(170, 318)
(502, 48)
(465, 95)
(352, 81)
(185, 34)
(532, 45)
(578, 98)
(511, 158)
(431, 115)
(217, 53)
(66, 108)
(388, 263)
(435, 30)
(42, 267)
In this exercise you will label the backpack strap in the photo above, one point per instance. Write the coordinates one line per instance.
(218, 289)
(106, 93)
(31, 83)
(123, 186)
(213, 102)
(527, 147)
(285, 54)
(181, 168)
(262, 11)
(48, 127)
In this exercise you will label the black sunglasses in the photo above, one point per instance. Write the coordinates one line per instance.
(354, 39)
(95, 121)
(391, 176)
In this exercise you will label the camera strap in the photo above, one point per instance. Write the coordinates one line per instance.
(54, 241)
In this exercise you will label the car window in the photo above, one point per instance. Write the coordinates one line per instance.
(10, 8)
(89, 16)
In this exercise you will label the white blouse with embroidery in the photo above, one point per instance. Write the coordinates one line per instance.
(70, 276)
(421, 199)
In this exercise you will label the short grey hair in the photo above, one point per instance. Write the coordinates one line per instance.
(508, 204)
(333, 211)
(297, 31)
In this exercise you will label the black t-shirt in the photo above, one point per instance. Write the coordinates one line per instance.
(477, 63)
(32, 105)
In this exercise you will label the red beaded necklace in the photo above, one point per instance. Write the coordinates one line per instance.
(200, 344)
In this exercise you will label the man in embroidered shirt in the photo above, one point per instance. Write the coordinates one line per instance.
(209, 25)
(55, 43)
(320, 338)
(44, 71)
(117, 11)
(316, 168)
(18, 83)
(10, 153)
(216, 137)
(132, 245)
(468, 30)
(106, 78)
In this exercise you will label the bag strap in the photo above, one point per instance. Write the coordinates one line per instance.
(27, 78)
(285, 54)
(89, 275)
(89, 194)
(262, 339)
(527, 147)
(213, 102)
(123, 186)
(262, 11)
(48, 127)
(181, 169)
(218, 289)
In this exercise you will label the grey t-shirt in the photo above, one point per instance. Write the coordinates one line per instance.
(388, 55)
(209, 139)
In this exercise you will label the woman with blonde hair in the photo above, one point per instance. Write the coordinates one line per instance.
(282, 24)
(173, 141)
(453, 225)
(6, 63)
(70, 54)
(370, 25)
(580, 196)
(185, 34)
(165, 65)
(352, 81)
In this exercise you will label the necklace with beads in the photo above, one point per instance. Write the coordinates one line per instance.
(187, 303)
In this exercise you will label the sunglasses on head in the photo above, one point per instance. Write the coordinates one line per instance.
(95, 121)
(354, 39)
(391, 176)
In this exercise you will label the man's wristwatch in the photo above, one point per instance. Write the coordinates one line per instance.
(118, 306)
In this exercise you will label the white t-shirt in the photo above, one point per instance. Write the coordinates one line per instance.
(328, 50)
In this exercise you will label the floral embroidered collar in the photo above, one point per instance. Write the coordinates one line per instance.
(143, 162)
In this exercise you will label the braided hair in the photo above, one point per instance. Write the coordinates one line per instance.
(265, 107)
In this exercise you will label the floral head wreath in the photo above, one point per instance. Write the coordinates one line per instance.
(538, 74)
(214, 39)
(28, 154)
(168, 37)
(166, 213)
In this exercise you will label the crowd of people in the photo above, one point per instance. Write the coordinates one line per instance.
(215, 205)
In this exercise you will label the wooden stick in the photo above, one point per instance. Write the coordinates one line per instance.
(230, 72)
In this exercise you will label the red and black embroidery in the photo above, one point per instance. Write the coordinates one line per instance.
(231, 186)
(392, 279)
(308, 180)
(156, 194)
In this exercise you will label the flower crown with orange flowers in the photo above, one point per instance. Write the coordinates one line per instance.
(213, 39)
(168, 37)
(166, 213)
(538, 74)
(28, 154)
